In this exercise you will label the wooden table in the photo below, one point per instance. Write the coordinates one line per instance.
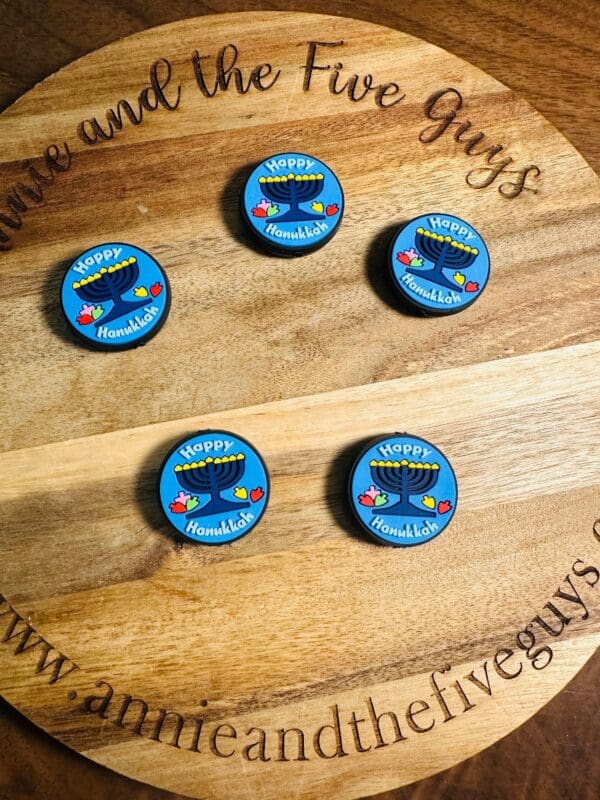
(546, 756)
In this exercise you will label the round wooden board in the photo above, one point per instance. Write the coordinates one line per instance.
(107, 622)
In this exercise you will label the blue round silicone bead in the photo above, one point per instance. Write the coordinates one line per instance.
(439, 264)
(214, 487)
(292, 203)
(115, 296)
(403, 490)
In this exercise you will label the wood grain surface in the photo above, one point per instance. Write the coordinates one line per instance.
(545, 397)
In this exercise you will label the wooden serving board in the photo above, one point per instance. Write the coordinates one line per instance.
(303, 660)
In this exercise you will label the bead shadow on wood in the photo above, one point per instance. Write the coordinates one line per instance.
(337, 488)
(230, 202)
(378, 273)
(51, 305)
(147, 493)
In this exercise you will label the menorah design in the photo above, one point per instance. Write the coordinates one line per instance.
(292, 190)
(446, 253)
(404, 478)
(110, 283)
(213, 476)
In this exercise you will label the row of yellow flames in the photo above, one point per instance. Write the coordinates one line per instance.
(103, 271)
(209, 460)
(290, 177)
(452, 242)
(404, 463)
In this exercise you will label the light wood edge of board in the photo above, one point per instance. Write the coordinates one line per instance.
(121, 451)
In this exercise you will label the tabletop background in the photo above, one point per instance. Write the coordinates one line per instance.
(546, 51)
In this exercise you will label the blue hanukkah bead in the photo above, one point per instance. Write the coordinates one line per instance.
(439, 264)
(402, 490)
(115, 296)
(214, 487)
(292, 204)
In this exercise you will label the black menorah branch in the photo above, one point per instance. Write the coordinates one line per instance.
(404, 480)
(293, 190)
(111, 284)
(213, 478)
(445, 254)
